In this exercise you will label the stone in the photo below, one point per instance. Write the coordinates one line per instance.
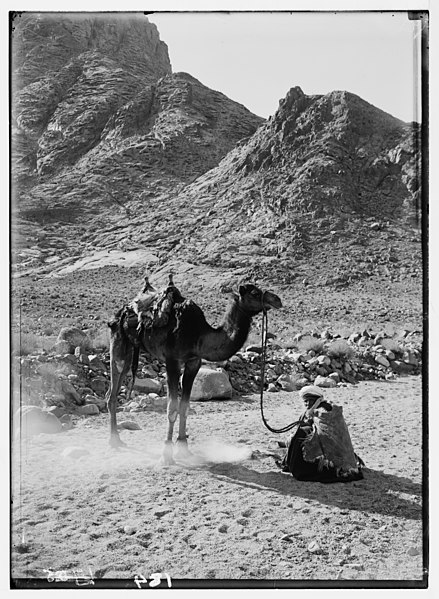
(325, 381)
(286, 382)
(101, 403)
(129, 529)
(89, 409)
(335, 376)
(69, 392)
(401, 367)
(96, 363)
(129, 425)
(382, 360)
(211, 384)
(73, 337)
(223, 528)
(99, 385)
(323, 360)
(355, 337)
(33, 420)
(302, 382)
(322, 370)
(148, 385)
(149, 371)
(314, 547)
(272, 388)
(326, 334)
(297, 356)
(83, 359)
(410, 358)
(57, 411)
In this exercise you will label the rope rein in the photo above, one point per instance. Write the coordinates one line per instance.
(264, 359)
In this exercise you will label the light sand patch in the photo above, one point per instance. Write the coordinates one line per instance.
(110, 258)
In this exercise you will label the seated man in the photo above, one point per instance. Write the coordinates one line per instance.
(321, 449)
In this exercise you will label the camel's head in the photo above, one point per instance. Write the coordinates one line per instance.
(253, 300)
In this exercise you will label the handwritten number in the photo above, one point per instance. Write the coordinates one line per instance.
(156, 579)
(139, 580)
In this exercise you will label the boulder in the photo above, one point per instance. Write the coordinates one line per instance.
(72, 338)
(148, 386)
(286, 382)
(323, 360)
(99, 385)
(33, 420)
(325, 381)
(129, 425)
(211, 384)
(302, 382)
(401, 367)
(89, 409)
(380, 359)
(96, 363)
(410, 358)
(101, 403)
(335, 376)
(57, 411)
(69, 392)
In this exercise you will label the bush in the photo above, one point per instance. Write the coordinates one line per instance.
(310, 343)
(340, 349)
(25, 344)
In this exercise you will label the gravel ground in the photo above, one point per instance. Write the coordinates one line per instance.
(229, 514)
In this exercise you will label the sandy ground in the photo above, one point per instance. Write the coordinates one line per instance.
(231, 514)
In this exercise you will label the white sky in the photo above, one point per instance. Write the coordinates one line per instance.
(256, 57)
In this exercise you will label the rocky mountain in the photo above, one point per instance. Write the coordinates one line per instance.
(117, 161)
(100, 123)
(320, 181)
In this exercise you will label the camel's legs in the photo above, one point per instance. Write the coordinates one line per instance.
(172, 374)
(190, 372)
(134, 367)
(121, 357)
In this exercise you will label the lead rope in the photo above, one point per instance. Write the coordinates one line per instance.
(264, 359)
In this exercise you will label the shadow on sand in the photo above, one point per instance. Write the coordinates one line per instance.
(378, 493)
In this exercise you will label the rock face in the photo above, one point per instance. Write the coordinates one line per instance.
(71, 74)
(324, 170)
(99, 121)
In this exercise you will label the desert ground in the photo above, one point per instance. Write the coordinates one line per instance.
(229, 513)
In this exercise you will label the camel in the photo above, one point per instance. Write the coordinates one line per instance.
(181, 343)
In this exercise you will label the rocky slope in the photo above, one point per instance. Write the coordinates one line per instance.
(326, 176)
(121, 166)
(103, 125)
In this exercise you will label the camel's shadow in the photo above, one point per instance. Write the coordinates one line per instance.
(378, 493)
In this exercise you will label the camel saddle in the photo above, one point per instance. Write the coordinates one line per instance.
(152, 309)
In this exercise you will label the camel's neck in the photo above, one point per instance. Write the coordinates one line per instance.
(220, 343)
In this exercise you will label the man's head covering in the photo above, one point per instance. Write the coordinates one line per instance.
(310, 390)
